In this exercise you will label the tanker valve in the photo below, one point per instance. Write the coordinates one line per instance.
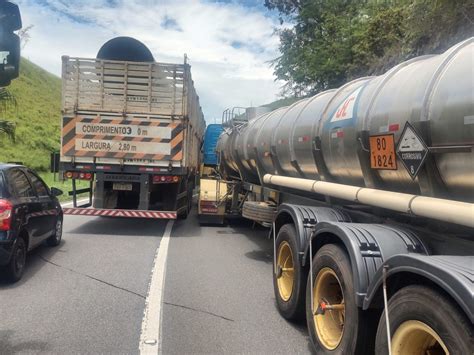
(280, 271)
(324, 306)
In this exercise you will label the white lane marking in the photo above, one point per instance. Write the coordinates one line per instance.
(150, 342)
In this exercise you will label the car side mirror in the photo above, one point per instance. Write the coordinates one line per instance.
(56, 192)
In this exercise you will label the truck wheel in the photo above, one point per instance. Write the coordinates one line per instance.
(14, 270)
(337, 326)
(423, 321)
(258, 211)
(289, 280)
(189, 204)
(183, 214)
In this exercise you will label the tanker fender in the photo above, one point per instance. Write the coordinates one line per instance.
(368, 246)
(304, 218)
(450, 273)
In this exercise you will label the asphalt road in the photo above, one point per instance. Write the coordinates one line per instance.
(218, 294)
(88, 294)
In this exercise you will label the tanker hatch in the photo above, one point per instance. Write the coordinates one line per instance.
(125, 49)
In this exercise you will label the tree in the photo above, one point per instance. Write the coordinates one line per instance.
(316, 53)
(333, 41)
(25, 35)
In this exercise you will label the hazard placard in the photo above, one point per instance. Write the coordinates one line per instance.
(412, 150)
(382, 152)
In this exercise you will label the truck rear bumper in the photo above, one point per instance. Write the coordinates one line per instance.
(120, 213)
(119, 168)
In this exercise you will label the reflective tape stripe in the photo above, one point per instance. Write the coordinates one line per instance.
(120, 213)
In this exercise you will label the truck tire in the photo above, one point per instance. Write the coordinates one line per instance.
(184, 213)
(347, 330)
(258, 211)
(189, 204)
(423, 321)
(289, 285)
(14, 270)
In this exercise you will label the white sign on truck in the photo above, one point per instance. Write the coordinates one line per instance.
(122, 130)
(116, 146)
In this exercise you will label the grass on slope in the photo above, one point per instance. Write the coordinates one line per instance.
(37, 118)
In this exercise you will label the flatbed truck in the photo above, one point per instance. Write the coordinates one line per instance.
(133, 128)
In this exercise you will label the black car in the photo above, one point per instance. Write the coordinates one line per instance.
(30, 213)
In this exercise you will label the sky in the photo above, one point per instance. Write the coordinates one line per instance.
(229, 43)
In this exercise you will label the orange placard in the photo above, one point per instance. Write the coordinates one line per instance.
(382, 152)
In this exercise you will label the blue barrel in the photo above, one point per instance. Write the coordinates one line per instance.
(211, 137)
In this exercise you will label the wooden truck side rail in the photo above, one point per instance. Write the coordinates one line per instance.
(125, 87)
(135, 90)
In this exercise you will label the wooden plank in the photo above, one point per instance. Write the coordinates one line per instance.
(129, 86)
(87, 84)
(73, 59)
(121, 92)
(142, 66)
(86, 77)
(120, 76)
(155, 81)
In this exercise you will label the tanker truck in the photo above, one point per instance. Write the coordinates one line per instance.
(368, 190)
(133, 128)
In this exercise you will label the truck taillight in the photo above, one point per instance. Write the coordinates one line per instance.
(78, 176)
(165, 179)
(5, 215)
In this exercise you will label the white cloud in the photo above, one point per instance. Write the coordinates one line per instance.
(229, 45)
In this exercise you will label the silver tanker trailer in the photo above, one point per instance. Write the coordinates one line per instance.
(369, 192)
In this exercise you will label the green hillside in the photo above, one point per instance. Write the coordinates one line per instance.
(37, 117)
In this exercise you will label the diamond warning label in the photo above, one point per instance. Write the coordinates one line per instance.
(411, 150)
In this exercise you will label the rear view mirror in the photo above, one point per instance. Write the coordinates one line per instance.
(56, 192)
(10, 20)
